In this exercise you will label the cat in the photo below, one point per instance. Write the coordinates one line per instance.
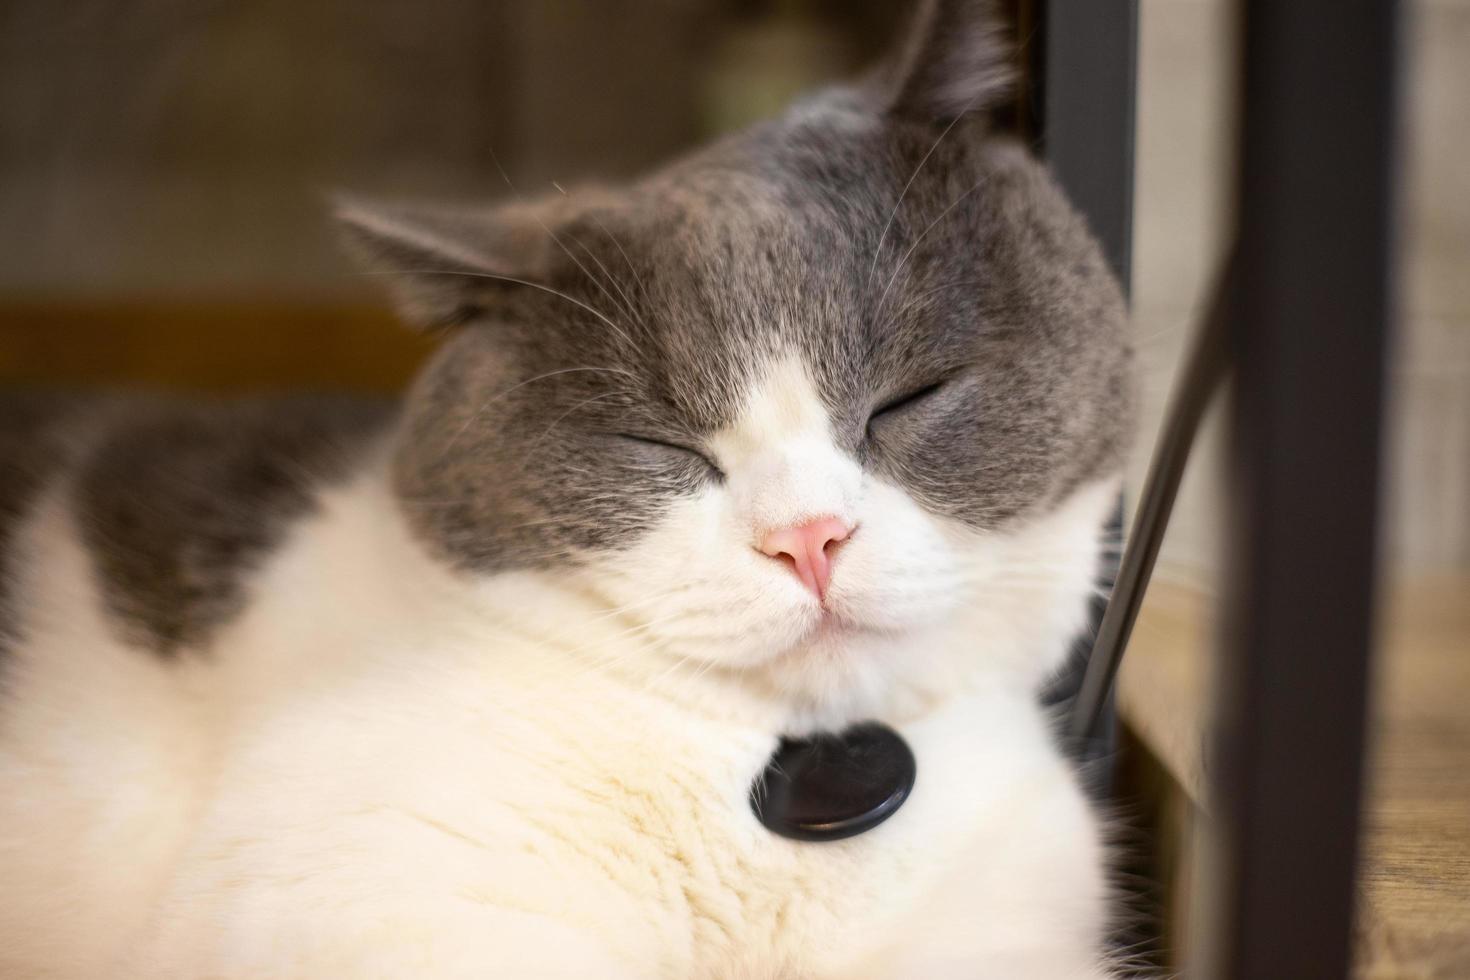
(817, 425)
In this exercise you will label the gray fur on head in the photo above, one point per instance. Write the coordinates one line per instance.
(876, 231)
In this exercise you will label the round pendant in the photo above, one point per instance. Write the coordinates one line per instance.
(829, 787)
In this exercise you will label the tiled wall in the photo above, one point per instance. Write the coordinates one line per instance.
(1185, 154)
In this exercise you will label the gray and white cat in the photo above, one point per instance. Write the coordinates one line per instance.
(819, 424)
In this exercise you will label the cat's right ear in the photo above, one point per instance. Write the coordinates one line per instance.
(957, 57)
(444, 266)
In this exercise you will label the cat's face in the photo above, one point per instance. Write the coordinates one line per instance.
(832, 388)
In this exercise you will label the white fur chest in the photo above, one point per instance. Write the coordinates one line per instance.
(426, 796)
(442, 821)
(389, 776)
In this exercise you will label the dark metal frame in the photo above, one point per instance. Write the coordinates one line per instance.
(1309, 334)
(1304, 318)
(1081, 65)
(1083, 71)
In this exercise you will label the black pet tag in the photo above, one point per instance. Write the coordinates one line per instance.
(828, 787)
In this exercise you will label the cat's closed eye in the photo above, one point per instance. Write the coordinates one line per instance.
(905, 401)
(675, 449)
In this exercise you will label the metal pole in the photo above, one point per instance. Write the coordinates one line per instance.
(1203, 373)
(1083, 74)
(1308, 331)
(1085, 81)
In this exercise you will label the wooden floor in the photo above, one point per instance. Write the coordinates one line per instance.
(1414, 919)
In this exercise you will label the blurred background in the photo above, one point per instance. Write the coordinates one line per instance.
(163, 165)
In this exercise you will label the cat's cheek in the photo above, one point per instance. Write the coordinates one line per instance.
(899, 572)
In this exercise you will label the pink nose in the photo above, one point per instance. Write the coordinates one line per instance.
(809, 549)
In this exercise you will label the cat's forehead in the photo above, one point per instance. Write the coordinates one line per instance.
(800, 242)
(829, 207)
(815, 176)
(882, 257)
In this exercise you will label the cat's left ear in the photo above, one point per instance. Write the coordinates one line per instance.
(446, 266)
(957, 57)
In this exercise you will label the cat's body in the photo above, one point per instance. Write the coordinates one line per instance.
(376, 768)
(479, 687)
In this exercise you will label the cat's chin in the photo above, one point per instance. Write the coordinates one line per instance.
(835, 643)
(842, 672)
(832, 636)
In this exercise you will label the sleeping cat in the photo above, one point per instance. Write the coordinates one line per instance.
(815, 426)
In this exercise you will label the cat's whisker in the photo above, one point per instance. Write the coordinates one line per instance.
(919, 240)
(587, 272)
(637, 279)
(1060, 570)
(640, 628)
(627, 301)
(479, 412)
(663, 675)
(883, 235)
(643, 600)
(600, 664)
(1062, 577)
(563, 416)
(1059, 564)
(915, 301)
(552, 235)
(642, 603)
(515, 280)
(690, 681)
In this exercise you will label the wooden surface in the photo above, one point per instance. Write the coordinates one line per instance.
(224, 346)
(1415, 877)
(1163, 685)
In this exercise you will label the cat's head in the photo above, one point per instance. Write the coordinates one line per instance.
(839, 401)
